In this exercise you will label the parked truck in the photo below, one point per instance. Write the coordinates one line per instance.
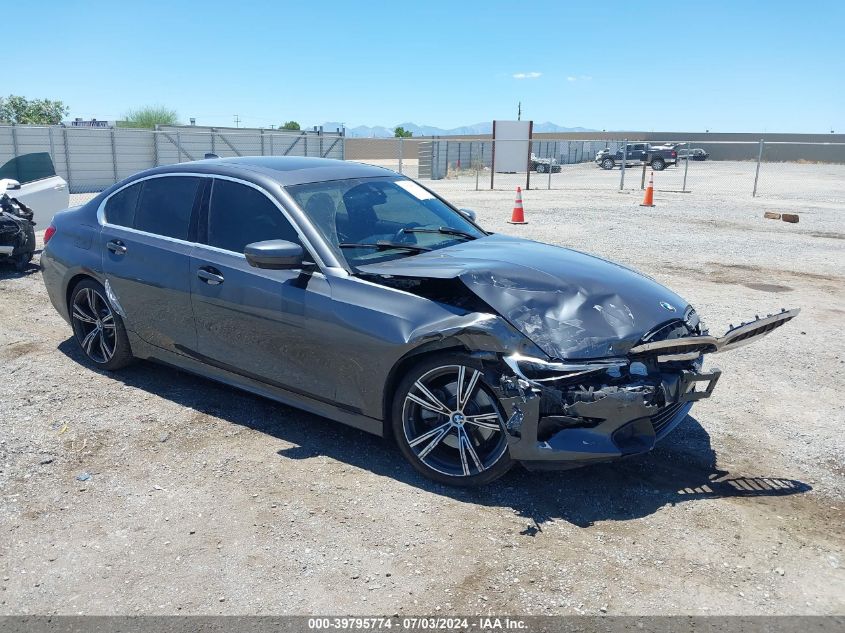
(657, 156)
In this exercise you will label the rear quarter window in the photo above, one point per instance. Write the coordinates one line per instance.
(120, 208)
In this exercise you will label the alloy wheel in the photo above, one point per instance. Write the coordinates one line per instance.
(94, 325)
(452, 422)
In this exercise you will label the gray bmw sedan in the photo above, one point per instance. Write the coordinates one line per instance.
(355, 293)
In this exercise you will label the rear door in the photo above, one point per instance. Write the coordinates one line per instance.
(263, 324)
(41, 189)
(637, 152)
(146, 242)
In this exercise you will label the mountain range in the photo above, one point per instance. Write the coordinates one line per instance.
(378, 131)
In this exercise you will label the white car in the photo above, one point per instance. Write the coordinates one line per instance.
(41, 189)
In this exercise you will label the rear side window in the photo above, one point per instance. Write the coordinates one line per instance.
(239, 215)
(165, 205)
(29, 168)
(120, 209)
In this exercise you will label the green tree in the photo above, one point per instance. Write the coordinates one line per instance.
(400, 132)
(291, 125)
(20, 110)
(149, 116)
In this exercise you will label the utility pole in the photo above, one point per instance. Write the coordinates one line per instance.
(237, 121)
(519, 111)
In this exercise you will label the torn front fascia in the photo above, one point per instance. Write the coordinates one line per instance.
(581, 416)
(521, 404)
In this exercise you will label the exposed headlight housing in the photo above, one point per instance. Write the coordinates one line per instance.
(537, 370)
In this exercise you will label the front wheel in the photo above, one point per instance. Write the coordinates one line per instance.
(608, 163)
(541, 169)
(449, 424)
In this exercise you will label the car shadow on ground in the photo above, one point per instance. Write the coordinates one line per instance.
(683, 467)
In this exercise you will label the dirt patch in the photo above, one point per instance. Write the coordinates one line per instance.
(768, 287)
(18, 349)
(759, 270)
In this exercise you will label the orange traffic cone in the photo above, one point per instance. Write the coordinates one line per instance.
(518, 215)
(648, 199)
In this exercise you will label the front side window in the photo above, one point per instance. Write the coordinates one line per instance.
(239, 215)
(367, 220)
(165, 206)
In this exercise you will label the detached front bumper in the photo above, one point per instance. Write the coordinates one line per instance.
(568, 414)
(620, 420)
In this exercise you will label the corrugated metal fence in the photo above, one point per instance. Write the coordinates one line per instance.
(92, 159)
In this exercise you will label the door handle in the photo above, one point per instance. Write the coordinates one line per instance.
(117, 247)
(211, 276)
(59, 187)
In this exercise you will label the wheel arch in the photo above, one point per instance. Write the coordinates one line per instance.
(401, 367)
(73, 282)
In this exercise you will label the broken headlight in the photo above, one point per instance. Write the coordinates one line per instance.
(537, 370)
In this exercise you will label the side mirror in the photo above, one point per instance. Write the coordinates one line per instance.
(9, 184)
(468, 213)
(274, 255)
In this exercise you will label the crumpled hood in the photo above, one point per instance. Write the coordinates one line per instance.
(571, 305)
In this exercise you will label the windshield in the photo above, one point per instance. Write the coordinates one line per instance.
(369, 220)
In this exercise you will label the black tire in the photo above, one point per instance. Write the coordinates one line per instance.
(97, 327)
(448, 447)
(24, 253)
(541, 168)
(608, 163)
(658, 164)
(22, 259)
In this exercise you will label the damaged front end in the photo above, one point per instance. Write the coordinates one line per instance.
(568, 414)
(17, 235)
(617, 363)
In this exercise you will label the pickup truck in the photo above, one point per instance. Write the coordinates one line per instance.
(638, 153)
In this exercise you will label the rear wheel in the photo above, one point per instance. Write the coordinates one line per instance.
(449, 424)
(608, 163)
(98, 329)
(658, 164)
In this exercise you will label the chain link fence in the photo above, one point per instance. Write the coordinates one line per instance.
(779, 169)
(92, 159)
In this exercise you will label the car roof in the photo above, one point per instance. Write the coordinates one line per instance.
(284, 170)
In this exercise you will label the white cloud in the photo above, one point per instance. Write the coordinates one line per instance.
(531, 75)
(578, 78)
(571, 78)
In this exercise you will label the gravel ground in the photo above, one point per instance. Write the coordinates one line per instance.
(151, 491)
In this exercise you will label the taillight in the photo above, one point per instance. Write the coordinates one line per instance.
(674, 154)
(50, 232)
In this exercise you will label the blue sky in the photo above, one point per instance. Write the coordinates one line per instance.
(725, 66)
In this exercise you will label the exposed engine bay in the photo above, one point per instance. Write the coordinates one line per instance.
(17, 232)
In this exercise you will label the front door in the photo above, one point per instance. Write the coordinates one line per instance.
(262, 324)
(146, 251)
